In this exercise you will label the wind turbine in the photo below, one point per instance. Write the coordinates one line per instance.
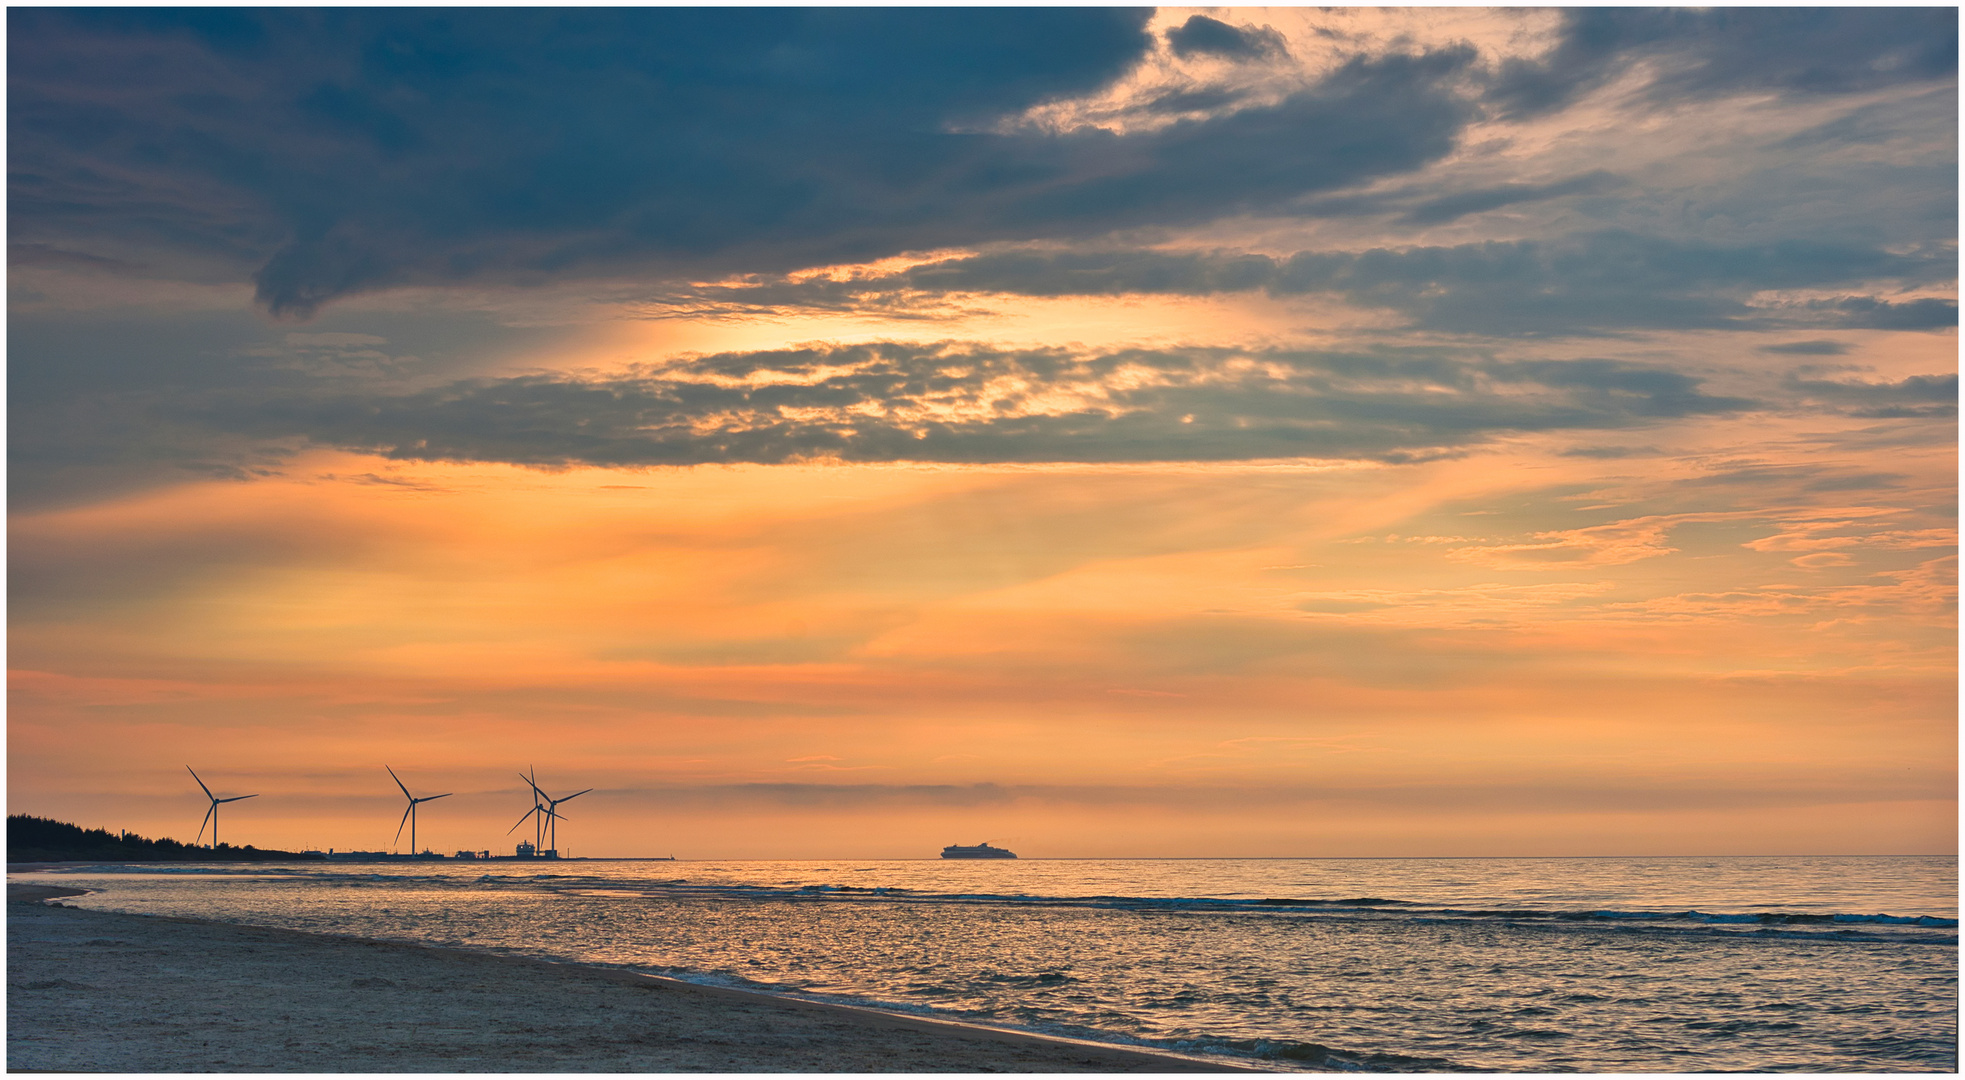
(550, 810)
(409, 815)
(536, 809)
(211, 816)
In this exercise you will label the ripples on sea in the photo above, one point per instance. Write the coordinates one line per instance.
(1532, 965)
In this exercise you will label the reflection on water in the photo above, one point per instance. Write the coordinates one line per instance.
(1527, 965)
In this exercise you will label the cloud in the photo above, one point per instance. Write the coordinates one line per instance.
(1193, 100)
(1612, 544)
(1866, 528)
(1800, 529)
(1460, 204)
(335, 340)
(1604, 281)
(959, 402)
(346, 144)
(1928, 590)
(1807, 348)
(323, 154)
(21, 255)
(1796, 787)
(95, 402)
(1202, 36)
(328, 153)
(1488, 604)
(1712, 52)
(1610, 453)
(1870, 313)
(1915, 396)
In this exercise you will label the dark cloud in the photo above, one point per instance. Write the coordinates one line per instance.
(1606, 280)
(1460, 204)
(93, 403)
(49, 255)
(964, 403)
(1596, 282)
(1370, 117)
(1880, 122)
(1708, 52)
(1870, 313)
(1859, 482)
(1202, 36)
(1758, 474)
(334, 151)
(327, 152)
(1916, 396)
(1807, 348)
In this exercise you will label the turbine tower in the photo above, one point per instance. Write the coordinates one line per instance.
(211, 816)
(549, 812)
(533, 813)
(409, 815)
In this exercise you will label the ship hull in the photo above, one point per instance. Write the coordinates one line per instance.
(982, 851)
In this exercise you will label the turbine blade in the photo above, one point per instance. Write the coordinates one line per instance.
(201, 783)
(399, 782)
(575, 795)
(535, 787)
(207, 821)
(521, 821)
(432, 798)
(236, 798)
(400, 825)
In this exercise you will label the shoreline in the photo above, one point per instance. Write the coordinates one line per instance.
(172, 994)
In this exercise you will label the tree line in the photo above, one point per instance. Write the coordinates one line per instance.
(39, 839)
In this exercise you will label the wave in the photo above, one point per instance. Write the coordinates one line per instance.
(1827, 926)
(1317, 1056)
(1779, 918)
(1289, 1054)
(1292, 905)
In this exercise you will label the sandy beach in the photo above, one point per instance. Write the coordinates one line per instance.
(101, 992)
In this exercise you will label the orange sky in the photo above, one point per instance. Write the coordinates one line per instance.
(1251, 660)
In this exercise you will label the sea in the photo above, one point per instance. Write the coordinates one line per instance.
(1664, 965)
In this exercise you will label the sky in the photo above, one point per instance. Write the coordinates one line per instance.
(838, 433)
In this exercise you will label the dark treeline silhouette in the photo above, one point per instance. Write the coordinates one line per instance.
(39, 839)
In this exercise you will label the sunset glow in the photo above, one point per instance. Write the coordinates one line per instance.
(1334, 434)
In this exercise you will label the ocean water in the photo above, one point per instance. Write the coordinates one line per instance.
(1527, 965)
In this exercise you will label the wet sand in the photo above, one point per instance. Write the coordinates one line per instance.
(101, 992)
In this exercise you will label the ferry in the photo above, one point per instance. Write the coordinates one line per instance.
(980, 851)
